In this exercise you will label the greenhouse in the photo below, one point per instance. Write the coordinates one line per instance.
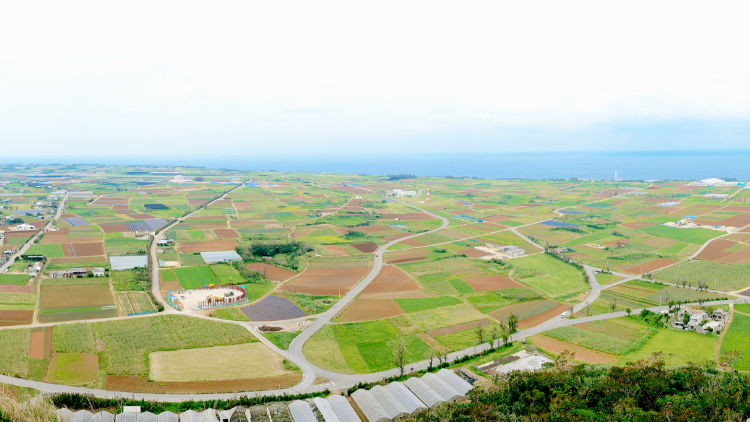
(453, 380)
(168, 417)
(147, 417)
(441, 388)
(190, 416)
(301, 412)
(390, 404)
(344, 411)
(424, 392)
(126, 417)
(369, 407)
(411, 403)
(325, 409)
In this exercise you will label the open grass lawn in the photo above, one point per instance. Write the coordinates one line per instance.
(239, 361)
(14, 352)
(416, 305)
(19, 279)
(195, 277)
(226, 274)
(73, 338)
(282, 340)
(728, 277)
(127, 342)
(685, 346)
(738, 338)
(49, 250)
(73, 368)
(695, 236)
(549, 275)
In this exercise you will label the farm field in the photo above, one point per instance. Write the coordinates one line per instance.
(737, 337)
(728, 277)
(195, 277)
(549, 275)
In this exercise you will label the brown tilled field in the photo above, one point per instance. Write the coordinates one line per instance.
(368, 310)
(76, 296)
(114, 228)
(14, 288)
(373, 229)
(412, 242)
(716, 250)
(529, 308)
(582, 354)
(365, 247)
(473, 253)
(397, 236)
(336, 250)
(390, 280)
(741, 257)
(41, 343)
(166, 286)
(635, 225)
(226, 234)
(15, 317)
(53, 238)
(650, 266)
(272, 273)
(213, 245)
(492, 282)
(327, 281)
(537, 319)
(407, 254)
(82, 249)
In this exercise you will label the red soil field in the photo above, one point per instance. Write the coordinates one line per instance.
(463, 211)
(119, 207)
(411, 253)
(390, 280)
(412, 242)
(739, 220)
(408, 217)
(365, 247)
(14, 288)
(356, 209)
(82, 249)
(402, 261)
(75, 296)
(370, 309)
(243, 206)
(41, 343)
(492, 282)
(202, 226)
(272, 273)
(474, 253)
(49, 239)
(372, 229)
(59, 232)
(741, 257)
(336, 250)
(226, 234)
(484, 207)
(715, 250)
(15, 318)
(20, 233)
(635, 225)
(526, 308)
(138, 384)
(544, 316)
(397, 236)
(327, 281)
(582, 354)
(650, 266)
(209, 246)
(113, 228)
(166, 286)
(79, 260)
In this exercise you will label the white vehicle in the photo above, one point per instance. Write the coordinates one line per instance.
(562, 315)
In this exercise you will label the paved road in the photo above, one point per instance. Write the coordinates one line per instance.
(36, 236)
(155, 288)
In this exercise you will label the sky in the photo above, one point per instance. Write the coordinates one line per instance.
(251, 78)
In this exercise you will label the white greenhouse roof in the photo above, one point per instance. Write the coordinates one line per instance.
(344, 411)
(440, 387)
(456, 382)
(369, 406)
(301, 412)
(325, 409)
(393, 408)
(220, 256)
(411, 403)
(168, 417)
(120, 263)
(423, 391)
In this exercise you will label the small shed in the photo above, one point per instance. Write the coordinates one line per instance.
(98, 271)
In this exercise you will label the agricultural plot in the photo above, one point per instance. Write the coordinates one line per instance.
(549, 275)
(195, 277)
(695, 236)
(272, 308)
(677, 348)
(617, 337)
(17, 301)
(73, 368)
(17, 279)
(50, 251)
(71, 302)
(226, 274)
(14, 351)
(727, 277)
(737, 338)
(327, 281)
(530, 313)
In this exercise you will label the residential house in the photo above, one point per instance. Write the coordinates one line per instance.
(98, 271)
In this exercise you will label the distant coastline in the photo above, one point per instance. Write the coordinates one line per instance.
(690, 165)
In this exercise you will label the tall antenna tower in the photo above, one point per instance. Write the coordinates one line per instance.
(615, 175)
(427, 199)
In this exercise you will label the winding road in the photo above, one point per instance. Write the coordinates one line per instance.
(295, 352)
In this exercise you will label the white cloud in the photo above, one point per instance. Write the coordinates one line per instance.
(278, 75)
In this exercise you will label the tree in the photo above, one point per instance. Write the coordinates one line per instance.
(627, 311)
(494, 335)
(512, 323)
(612, 304)
(564, 359)
(504, 331)
(480, 333)
(432, 357)
(399, 355)
(730, 359)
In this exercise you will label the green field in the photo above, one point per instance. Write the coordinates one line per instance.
(607, 279)
(190, 259)
(124, 245)
(282, 339)
(550, 276)
(167, 275)
(738, 338)
(416, 305)
(20, 279)
(683, 346)
(695, 236)
(49, 250)
(17, 301)
(73, 338)
(616, 337)
(490, 301)
(728, 277)
(226, 274)
(14, 352)
(195, 277)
